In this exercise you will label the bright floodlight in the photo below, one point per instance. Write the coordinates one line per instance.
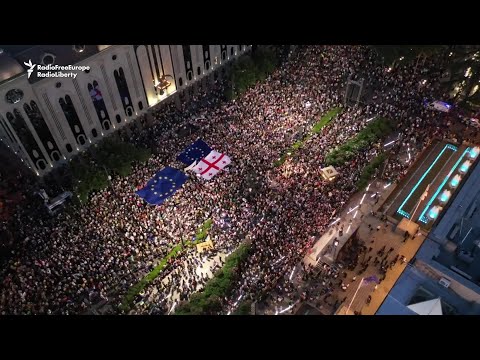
(473, 153)
(455, 181)
(445, 196)
(465, 166)
(434, 211)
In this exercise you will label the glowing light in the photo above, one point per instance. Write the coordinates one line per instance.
(400, 209)
(288, 308)
(455, 181)
(349, 226)
(433, 213)
(389, 143)
(468, 73)
(368, 187)
(291, 275)
(445, 196)
(465, 166)
(351, 210)
(474, 152)
(173, 307)
(361, 201)
(422, 215)
(333, 223)
(355, 215)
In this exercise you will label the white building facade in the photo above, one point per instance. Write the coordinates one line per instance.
(46, 121)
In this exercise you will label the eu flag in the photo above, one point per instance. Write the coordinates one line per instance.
(197, 151)
(163, 185)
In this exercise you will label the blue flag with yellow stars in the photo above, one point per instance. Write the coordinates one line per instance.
(163, 185)
(195, 152)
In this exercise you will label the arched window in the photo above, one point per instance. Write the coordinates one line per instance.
(119, 119)
(199, 71)
(72, 117)
(231, 51)
(180, 81)
(123, 91)
(40, 126)
(189, 76)
(99, 104)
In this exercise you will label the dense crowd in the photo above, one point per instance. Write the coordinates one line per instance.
(98, 251)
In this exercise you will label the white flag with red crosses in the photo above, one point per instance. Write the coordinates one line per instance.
(210, 165)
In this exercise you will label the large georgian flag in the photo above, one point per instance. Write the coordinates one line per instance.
(209, 166)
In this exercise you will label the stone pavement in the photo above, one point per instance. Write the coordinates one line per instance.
(350, 219)
(384, 237)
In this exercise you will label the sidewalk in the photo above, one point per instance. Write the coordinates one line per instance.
(350, 218)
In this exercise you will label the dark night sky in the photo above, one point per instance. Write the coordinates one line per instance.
(15, 49)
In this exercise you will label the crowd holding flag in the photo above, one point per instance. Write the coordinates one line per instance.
(198, 150)
(199, 157)
(163, 185)
(211, 165)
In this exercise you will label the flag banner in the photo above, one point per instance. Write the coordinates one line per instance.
(198, 150)
(211, 165)
(163, 185)
(190, 167)
(95, 94)
(370, 279)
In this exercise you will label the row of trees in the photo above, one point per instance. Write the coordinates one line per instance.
(251, 68)
(319, 125)
(374, 131)
(136, 289)
(90, 170)
(209, 301)
(369, 171)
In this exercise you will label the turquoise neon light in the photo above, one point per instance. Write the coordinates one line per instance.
(422, 215)
(400, 210)
(444, 197)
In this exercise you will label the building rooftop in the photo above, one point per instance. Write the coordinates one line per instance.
(458, 231)
(414, 287)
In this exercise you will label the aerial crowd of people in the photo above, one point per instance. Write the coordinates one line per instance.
(96, 252)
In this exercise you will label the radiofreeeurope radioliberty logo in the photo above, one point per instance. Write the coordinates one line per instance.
(31, 66)
(55, 71)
